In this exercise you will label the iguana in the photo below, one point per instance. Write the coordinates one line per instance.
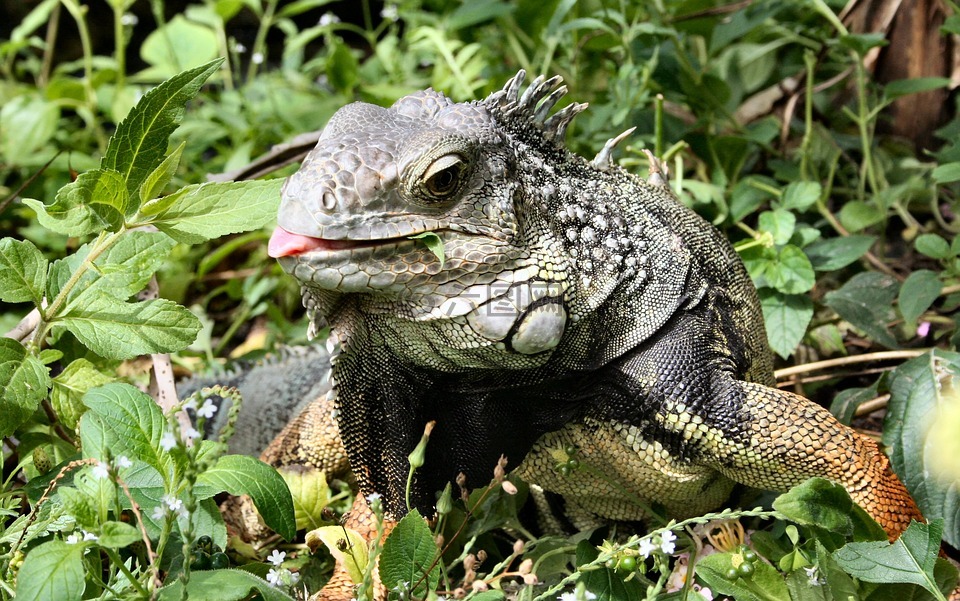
(573, 305)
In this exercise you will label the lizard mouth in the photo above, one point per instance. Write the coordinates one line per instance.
(284, 244)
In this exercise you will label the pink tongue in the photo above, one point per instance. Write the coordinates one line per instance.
(283, 243)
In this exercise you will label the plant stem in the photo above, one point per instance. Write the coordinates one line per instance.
(266, 22)
(115, 558)
(119, 47)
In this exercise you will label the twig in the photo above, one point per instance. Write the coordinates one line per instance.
(864, 358)
(26, 328)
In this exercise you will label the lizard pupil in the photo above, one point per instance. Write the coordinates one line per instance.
(444, 182)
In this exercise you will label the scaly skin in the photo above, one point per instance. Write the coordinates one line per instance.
(577, 304)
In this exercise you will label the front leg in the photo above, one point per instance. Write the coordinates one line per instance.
(786, 438)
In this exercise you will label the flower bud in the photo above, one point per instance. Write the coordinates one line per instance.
(419, 454)
(526, 566)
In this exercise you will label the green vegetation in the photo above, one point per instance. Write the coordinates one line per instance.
(768, 119)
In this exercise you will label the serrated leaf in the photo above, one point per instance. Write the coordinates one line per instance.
(117, 535)
(123, 421)
(88, 205)
(158, 179)
(23, 272)
(800, 196)
(407, 555)
(81, 506)
(52, 571)
(353, 555)
(70, 385)
(786, 318)
(24, 381)
(119, 330)
(923, 398)
(792, 272)
(222, 585)
(606, 584)
(817, 502)
(866, 301)
(917, 293)
(243, 475)
(206, 211)
(434, 244)
(779, 223)
(310, 494)
(911, 558)
(765, 583)
(836, 253)
(140, 141)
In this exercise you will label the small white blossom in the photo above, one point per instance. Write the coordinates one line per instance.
(390, 12)
(159, 513)
(293, 577)
(646, 547)
(328, 19)
(572, 596)
(667, 541)
(239, 48)
(168, 441)
(257, 58)
(813, 575)
(191, 404)
(123, 462)
(89, 536)
(175, 505)
(277, 557)
(192, 433)
(101, 471)
(129, 19)
(273, 577)
(705, 593)
(374, 496)
(208, 410)
(73, 538)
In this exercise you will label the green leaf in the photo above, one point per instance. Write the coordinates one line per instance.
(605, 583)
(52, 572)
(138, 146)
(765, 584)
(857, 215)
(800, 196)
(836, 253)
(23, 272)
(222, 585)
(180, 44)
(27, 123)
(866, 301)
(354, 555)
(24, 381)
(911, 558)
(342, 68)
(434, 244)
(158, 179)
(123, 421)
(407, 555)
(117, 535)
(786, 317)
(206, 211)
(792, 272)
(310, 494)
(779, 223)
(904, 87)
(70, 385)
(118, 330)
(917, 293)
(933, 246)
(920, 431)
(94, 202)
(243, 475)
(817, 502)
(861, 43)
(947, 173)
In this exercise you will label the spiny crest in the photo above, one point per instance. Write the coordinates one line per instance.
(535, 103)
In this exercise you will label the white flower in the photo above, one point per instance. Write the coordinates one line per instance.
(190, 404)
(293, 577)
(208, 410)
(646, 547)
(168, 441)
(667, 542)
(328, 19)
(101, 471)
(813, 574)
(390, 12)
(73, 538)
(129, 19)
(257, 58)
(374, 496)
(277, 557)
(122, 462)
(159, 513)
(239, 48)
(273, 577)
(191, 432)
(175, 505)
(572, 596)
(88, 536)
(705, 593)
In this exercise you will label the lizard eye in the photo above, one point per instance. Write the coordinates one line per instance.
(443, 177)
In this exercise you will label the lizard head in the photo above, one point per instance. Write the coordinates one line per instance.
(379, 178)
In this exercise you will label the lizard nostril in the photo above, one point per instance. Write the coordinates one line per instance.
(329, 200)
